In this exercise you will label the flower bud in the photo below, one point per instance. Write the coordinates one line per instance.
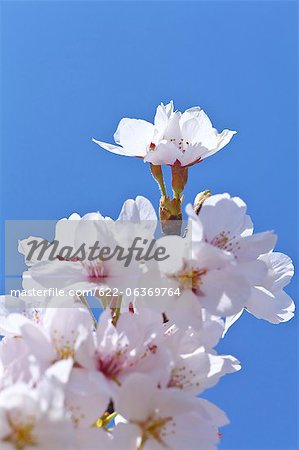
(199, 200)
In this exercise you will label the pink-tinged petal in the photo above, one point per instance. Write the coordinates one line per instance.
(128, 401)
(60, 371)
(254, 271)
(251, 247)
(210, 257)
(225, 292)
(216, 415)
(126, 436)
(87, 396)
(281, 269)
(11, 325)
(93, 439)
(222, 214)
(274, 307)
(38, 342)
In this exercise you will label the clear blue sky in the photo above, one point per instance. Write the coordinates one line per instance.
(71, 70)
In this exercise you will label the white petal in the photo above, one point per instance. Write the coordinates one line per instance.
(112, 148)
(200, 129)
(224, 138)
(222, 214)
(137, 210)
(192, 154)
(163, 114)
(173, 130)
(135, 136)
(164, 153)
(128, 401)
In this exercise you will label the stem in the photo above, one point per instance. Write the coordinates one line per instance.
(141, 445)
(158, 175)
(85, 303)
(170, 213)
(179, 179)
(115, 309)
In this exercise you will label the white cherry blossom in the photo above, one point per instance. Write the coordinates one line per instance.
(86, 397)
(268, 300)
(207, 271)
(116, 351)
(14, 312)
(75, 230)
(222, 222)
(194, 368)
(32, 419)
(174, 138)
(59, 336)
(17, 364)
(165, 418)
(76, 236)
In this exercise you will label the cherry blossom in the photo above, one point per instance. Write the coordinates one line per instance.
(137, 218)
(203, 269)
(222, 222)
(130, 346)
(59, 336)
(174, 138)
(195, 368)
(33, 418)
(166, 417)
(268, 300)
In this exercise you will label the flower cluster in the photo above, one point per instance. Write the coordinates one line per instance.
(132, 378)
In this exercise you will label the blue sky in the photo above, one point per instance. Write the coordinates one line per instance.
(71, 70)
